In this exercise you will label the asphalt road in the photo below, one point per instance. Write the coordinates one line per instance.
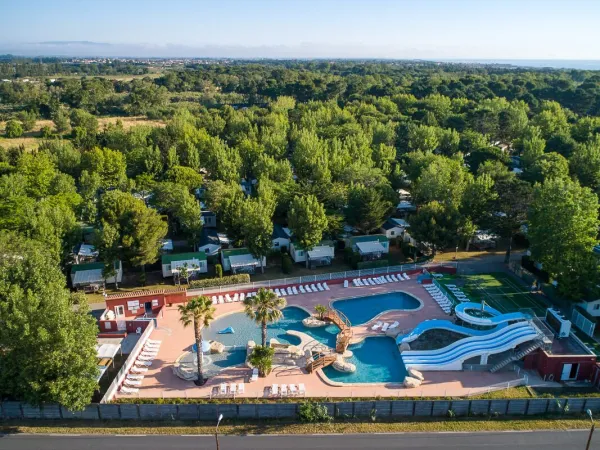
(538, 440)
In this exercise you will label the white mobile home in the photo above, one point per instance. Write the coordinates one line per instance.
(193, 261)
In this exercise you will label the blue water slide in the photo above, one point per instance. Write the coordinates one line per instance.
(453, 356)
(442, 324)
(462, 312)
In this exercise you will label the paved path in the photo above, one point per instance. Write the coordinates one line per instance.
(538, 440)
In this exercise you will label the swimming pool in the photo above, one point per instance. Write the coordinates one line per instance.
(377, 360)
(360, 310)
(246, 329)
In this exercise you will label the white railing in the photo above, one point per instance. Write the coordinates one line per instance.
(137, 348)
(315, 278)
(500, 386)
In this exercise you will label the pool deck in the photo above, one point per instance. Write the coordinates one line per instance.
(160, 382)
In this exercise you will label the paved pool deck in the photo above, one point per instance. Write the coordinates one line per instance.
(160, 382)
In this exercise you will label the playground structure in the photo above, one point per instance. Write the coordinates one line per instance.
(506, 332)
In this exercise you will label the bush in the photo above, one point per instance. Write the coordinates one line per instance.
(225, 281)
(262, 358)
(313, 413)
(14, 129)
(286, 264)
(372, 264)
(219, 271)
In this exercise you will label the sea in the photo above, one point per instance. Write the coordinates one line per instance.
(579, 64)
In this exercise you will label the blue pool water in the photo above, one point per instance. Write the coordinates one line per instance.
(246, 329)
(360, 310)
(377, 360)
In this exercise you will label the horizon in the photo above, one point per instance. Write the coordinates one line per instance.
(432, 30)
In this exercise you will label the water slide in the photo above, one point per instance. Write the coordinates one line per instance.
(494, 317)
(454, 355)
(437, 324)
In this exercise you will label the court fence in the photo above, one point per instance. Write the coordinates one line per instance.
(344, 409)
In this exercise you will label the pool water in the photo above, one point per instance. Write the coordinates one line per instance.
(377, 360)
(360, 310)
(214, 363)
(246, 329)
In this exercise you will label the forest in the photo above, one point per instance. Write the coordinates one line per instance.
(510, 150)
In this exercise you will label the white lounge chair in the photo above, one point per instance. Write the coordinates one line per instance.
(406, 277)
(308, 289)
(385, 326)
(148, 354)
(214, 300)
(371, 282)
(377, 280)
(301, 389)
(227, 298)
(389, 278)
(133, 383)
(153, 341)
(313, 287)
(284, 390)
(325, 286)
(345, 283)
(142, 363)
(236, 297)
(394, 325)
(221, 300)
(377, 326)
(277, 292)
(233, 388)
(134, 377)
(223, 389)
(242, 297)
(135, 369)
(294, 290)
(394, 278)
(128, 390)
(289, 291)
(274, 389)
(302, 290)
(354, 282)
(241, 388)
(293, 390)
(320, 287)
(145, 358)
(254, 376)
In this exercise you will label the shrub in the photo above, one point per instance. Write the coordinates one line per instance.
(225, 281)
(46, 132)
(262, 358)
(286, 263)
(14, 129)
(313, 413)
(219, 271)
(372, 264)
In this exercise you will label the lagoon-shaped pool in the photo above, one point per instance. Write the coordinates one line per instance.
(360, 310)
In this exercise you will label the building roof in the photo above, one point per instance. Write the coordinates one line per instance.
(321, 251)
(370, 247)
(405, 204)
(209, 237)
(369, 238)
(207, 214)
(170, 259)
(297, 245)
(135, 294)
(243, 260)
(279, 232)
(85, 267)
(235, 252)
(107, 350)
(87, 250)
(394, 223)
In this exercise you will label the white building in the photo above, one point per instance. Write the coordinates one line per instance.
(194, 262)
(394, 228)
(281, 237)
(240, 260)
(83, 275)
(320, 255)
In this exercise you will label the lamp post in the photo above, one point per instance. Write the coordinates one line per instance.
(589, 442)
(217, 430)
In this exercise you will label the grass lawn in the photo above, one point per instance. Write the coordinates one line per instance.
(499, 290)
(465, 424)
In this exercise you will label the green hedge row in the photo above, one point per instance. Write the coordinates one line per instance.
(372, 264)
(224, 281)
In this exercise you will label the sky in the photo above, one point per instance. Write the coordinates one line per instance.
(402, 29)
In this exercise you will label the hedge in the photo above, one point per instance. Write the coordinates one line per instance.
(372, 264)
(224, 281)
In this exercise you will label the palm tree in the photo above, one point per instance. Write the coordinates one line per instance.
(262, 358)
(320, 310)
(198, 312)
(264, 308)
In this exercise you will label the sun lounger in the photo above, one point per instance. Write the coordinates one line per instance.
(354, 282)
(302, 290)
(151, 345)
(135, 369)
(277, 293)
(294, 290)
(301, 389)
(406, 277)
(378, 280)
(293, 390)
(325, 286)
(240, 389)
(308, 289)
(233, 388)
(313, 287)
(221, 300)
(320, 287)
(214, 300)
(133, 383)
(128, 390)
(357, 282)
(242, 297)
(227, 298)
(153, 341)
(394, 325)
(274, 389)
(223, 389)
(371, 281)
(148, 354)
(254, 376)
(236, 297)
(345, 283)
(135, 377)
(377, 326)
(142, 363)
(387, 277)
(289, 291)
(284, 389)
(385, 326)
(145, 358)
(394, 278)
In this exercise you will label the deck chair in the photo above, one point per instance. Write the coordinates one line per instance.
(284, 389)
(308, 289)
(241, 388)
(254, 376)
(135, 369)
(394, 325)
(242, 297)
(236, 297)
(301, 389)
(223, 389)
(128, 390)
(214, 300)
(289, 291)
(294, 290)
(393, 277)
(227, 298)
(302, 290)
(293, 390)
(377, 326)
(325, 286)
(345, 283)
(385, 326)
(135, 377)
(313, 287)
(221, 300)
(274, 389)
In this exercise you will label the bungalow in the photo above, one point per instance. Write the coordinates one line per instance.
(240, 260)
(90, 275)
(369, 247)
(281, 237)
(394, 228)
(209, 242)
(320, 255)
(209, 219)
(84, 253)
(194, 261)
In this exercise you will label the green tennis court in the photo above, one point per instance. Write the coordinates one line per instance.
(499, 290)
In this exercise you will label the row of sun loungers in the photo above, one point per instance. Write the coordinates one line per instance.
(134, 378)
(439, 297)
(279, 292)
(460, 295)
(385, 326)
(288, 390)
(231, 389)
(383, 279)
